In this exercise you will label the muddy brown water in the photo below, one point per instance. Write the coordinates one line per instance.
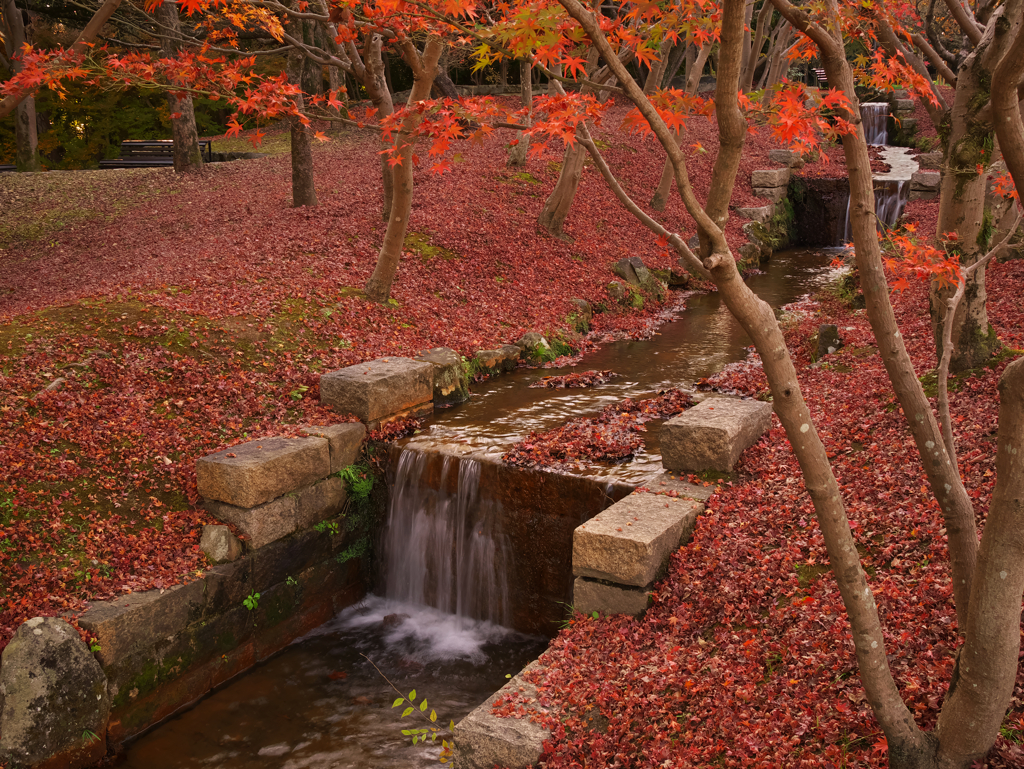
(700, 341)
(320, 703)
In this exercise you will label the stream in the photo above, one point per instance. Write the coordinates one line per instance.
(320, 703)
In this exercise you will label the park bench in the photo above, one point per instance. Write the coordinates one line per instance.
(148, 154)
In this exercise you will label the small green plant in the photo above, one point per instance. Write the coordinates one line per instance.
(251, 601)
(291, 582)
(419, 735)
(331, 527)
(89, 737)
(94, 645)
(358, 479)
(298, 392)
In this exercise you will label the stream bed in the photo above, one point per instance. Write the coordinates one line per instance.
(320, 703)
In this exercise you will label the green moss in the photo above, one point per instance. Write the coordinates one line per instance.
(524, 176)
(419, 243)
(807, 572)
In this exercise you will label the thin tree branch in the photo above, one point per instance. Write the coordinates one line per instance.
(942, 373)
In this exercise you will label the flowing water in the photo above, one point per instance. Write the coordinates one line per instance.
(875, 118)
(320, 703)
(697, 342)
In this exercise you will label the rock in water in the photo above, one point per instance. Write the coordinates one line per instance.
(54, 694)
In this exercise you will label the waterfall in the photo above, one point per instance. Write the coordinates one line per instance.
(890, 197)
(875, 117)
(443, 545)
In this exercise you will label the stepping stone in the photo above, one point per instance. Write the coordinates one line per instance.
(259, 471)
(713, 434)
(381, 390)
(630, 542)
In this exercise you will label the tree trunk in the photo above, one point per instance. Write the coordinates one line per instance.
(556, 207)
(517, 152)
(559, 202)
(962, 204)
(188, 158)
(443, 87)
(424, 68)
(26, 136)
(661, 195)
(654, 77)
(987, 665)
(303, 187)
(764, 19)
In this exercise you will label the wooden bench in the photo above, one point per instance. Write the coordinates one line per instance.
(150, 154)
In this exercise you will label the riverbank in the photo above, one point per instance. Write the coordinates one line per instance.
(745, 657)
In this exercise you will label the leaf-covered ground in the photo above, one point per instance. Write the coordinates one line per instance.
(187, 314)
(745, 657)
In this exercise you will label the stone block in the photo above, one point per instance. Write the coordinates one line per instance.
(259, 471)
(288, 557)
(589, 596)
(925, 180)
(666, 483)
(785, 157)
(227, 585)
(319, 502)
(903, 105)
(758, 214)
(713, 434)
(295, 511)
(774, 194)
(378, 389)
(770, 177)
(629, 543)
(499, 361)
(260, 525)
(483, 741)
(219, 544)
(344, 441)
(139, 620)
(930, 161)
(53, 690)
(908, 124)
(451, 384)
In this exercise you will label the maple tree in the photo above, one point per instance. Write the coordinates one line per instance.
(979, 579)
(986, 590)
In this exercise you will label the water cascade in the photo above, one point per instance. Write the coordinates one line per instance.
(443, 544)
(892, 187)
(875, 117)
